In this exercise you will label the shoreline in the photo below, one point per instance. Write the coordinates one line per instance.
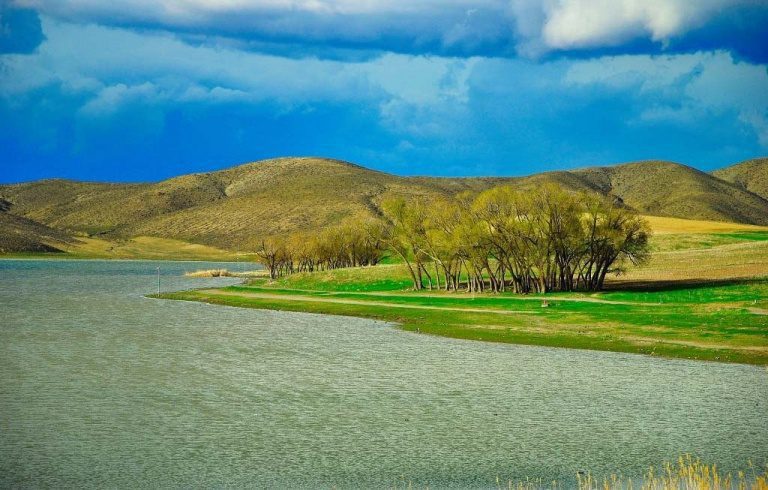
(523, 325)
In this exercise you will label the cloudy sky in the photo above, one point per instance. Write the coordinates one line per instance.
(137, 90)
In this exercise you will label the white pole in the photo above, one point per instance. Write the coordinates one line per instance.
(158, 281)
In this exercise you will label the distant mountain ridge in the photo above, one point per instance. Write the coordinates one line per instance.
(236, 207)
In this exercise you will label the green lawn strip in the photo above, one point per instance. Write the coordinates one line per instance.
(750, 292)
(678, 317)
(680, 320)
(579, 330)
(452, 301)
(746, 235)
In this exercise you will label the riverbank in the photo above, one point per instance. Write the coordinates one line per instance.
(679, 330)
(672, 307)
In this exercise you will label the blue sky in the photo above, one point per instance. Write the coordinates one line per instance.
(139, 90)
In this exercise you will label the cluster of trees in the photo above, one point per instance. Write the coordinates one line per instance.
(350, 244)
(502, 239)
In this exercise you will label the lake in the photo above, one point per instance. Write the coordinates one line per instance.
(100, 386)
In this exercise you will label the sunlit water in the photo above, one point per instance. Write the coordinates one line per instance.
(100, 386)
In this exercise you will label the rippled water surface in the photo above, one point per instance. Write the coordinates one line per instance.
(100, 386)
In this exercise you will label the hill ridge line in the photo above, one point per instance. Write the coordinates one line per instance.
(235, 207)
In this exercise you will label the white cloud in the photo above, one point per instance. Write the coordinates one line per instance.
(534, 27)
(590, 23)
(371, 24)
(759, 122)
(191, 10)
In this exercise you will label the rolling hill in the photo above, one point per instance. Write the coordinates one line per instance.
(668, 189)
(750, 175)
(234, 208)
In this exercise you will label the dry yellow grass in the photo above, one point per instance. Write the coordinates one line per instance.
(688, 474)
(744, 260)
(664, 226)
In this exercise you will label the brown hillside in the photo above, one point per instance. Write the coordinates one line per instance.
(669, 189)
(281, 196)
(232, 208)
(751, 175)
(652, 187)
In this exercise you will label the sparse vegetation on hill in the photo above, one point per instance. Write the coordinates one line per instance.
(669, 189)
(236, 208)
(232, 209)
(751, 175)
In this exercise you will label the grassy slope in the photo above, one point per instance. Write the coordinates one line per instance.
(234, 208)
(751, 175)
(702, 300)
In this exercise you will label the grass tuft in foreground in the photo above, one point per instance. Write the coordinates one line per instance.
(688, 473)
